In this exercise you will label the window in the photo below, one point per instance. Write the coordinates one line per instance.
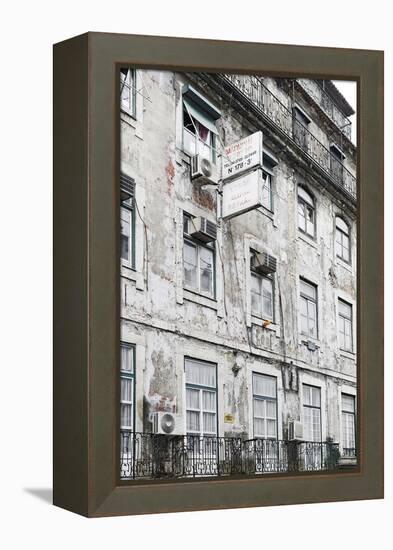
(342, 240)
(312, 413)
(336, 162)
(345, 325)
(127, 232)
(267, 192)
(300, 128)
(128, 90)
(348, 424)
(261, 296)
(308, 309)
(201, 398)
(198, 263)
(199, 131)
(127, 353)
(306, 212)
(264, 406)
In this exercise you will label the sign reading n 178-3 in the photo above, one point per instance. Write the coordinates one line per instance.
(242, 156)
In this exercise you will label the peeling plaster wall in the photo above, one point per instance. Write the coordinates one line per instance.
(168, 324)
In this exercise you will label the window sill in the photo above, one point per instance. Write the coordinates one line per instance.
(132, 275)
(344, 264)
(266, 212)
(200, 299)
(309, 240)
(348, 354)
(271, 326)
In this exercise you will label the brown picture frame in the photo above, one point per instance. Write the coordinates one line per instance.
(86, 273)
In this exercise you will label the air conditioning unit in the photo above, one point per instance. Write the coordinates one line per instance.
(203, 229)
(203, 171)
(295, 430)
(168, 423)
(262, 262)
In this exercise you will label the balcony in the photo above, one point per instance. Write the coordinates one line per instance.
(260, 98)
(153, 456)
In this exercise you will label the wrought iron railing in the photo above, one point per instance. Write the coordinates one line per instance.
(254, 90)
(146, 455)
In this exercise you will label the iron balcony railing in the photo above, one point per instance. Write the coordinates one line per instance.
(253, 90)
(146, 455)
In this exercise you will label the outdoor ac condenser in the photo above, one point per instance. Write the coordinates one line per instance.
(295, 430)
(203, 171)
(203, 229)
(168, 423)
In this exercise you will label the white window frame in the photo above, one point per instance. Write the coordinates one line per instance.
(346, 414)
(313, 408)
(267, 190)
(262, 280)
(305, 200)
(263, 398)
(308, 301)
(128, 82)
(190, 241)
(342, 232)
(127, 207)
(201, 389)
(347, 322)
(128, 375)
(206, 148)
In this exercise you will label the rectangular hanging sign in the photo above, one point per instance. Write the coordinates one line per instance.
(242, 156)
(242, 194)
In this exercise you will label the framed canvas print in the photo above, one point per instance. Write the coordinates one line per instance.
(218, 211)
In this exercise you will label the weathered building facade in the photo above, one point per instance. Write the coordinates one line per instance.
(241, 357)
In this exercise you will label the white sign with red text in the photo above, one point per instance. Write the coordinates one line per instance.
(242, 156)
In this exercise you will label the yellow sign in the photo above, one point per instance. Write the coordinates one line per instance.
(229, 418)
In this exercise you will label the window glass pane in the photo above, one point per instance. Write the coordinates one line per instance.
(206, 267)
(192, 398)
(193, 424)
(263, 385)
(271, 409)
(316, 396)
(125, 233)
(308, 290)
(267, 290)
(348, 402)
(342, 226)
(126, 389)
(209, 422)
(209, 401)
(203, 374)
(126, 416)
(259, 408)
(316, 425)
(127, 359)
(302, 216)
(307, 394)
(256, 299)
(345, 309)
(259, 427)
(190, 265)
(306, 197)
(271, 428)
(267, 191)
